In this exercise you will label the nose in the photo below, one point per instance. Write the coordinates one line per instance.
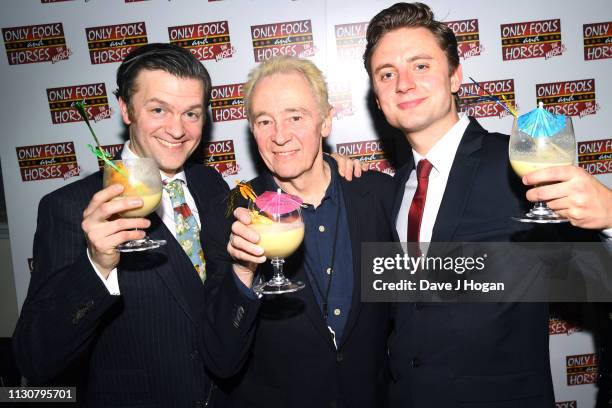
(405, 82)
(281, 134)
(175, 127)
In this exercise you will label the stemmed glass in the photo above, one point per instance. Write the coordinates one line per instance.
(139, 177)
(532, 150)
(280, 235)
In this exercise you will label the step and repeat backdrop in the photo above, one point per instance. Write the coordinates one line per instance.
(56, 52)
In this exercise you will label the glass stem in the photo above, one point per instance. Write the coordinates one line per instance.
(277, 264)
(540, 208)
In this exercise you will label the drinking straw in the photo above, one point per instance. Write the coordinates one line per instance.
(98, 151)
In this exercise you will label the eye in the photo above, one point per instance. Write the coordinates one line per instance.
(263, 122)
(193, 116)
(157, 111)
(421, 67)
(295, 118)
(387, 76)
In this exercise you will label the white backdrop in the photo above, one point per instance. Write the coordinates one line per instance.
(56, 52)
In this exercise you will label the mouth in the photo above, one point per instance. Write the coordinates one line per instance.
(284, 153)
(171, 145)
(410, 104)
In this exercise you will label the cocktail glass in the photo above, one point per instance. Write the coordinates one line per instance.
(280, 236)
(531, 152)
(139, 177)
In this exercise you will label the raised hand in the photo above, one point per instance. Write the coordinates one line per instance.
(104, 229)
(575, 195)
(242, 247)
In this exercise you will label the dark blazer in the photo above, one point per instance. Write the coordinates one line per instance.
(144, 348)
(490, 355)
(287, 353)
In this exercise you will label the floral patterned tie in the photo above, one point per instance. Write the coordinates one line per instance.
(187, 230)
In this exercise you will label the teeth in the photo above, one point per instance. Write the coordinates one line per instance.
(169, 144)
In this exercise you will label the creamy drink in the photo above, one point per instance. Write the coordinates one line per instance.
(279, 240)
(523, 167)
(140, 178)
(151, 201)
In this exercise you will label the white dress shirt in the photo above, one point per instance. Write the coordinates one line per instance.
(441, 157)
(165, 211)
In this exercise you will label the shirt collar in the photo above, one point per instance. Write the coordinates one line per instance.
(127, 153)
(442, 154)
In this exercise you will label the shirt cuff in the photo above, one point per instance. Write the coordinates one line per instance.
(246, 291)
(111, 282)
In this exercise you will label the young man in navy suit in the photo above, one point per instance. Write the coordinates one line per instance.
(128, 325)
(453, 355)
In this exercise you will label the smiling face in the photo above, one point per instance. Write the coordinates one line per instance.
(288, 126)
(413, 85)
(166, 118)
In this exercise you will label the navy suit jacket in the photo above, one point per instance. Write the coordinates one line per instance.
(144, 348)
(490, 355)
(286, 352)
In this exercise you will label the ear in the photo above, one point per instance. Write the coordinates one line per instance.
(326, 125)
(456, 79)
(125, 115)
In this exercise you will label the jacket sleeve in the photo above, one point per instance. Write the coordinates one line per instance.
(66, 299)
(230, 317)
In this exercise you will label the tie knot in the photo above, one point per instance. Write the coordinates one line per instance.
(173, 185)
(423, 169)
(174, 189)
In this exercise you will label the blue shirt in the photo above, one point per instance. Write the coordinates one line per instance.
(325, 225)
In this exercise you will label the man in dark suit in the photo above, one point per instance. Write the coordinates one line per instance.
(457, 185)
(319, 346)
(130, 323)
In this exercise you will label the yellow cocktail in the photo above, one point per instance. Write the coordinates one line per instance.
(151, 201)
(523, 167)
(140, 178)
(540, 140)
(280, 235)
(279, 240)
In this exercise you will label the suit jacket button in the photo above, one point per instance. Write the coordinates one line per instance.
(415, 362)
(339, 357)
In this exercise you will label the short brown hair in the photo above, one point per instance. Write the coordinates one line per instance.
(410, 15)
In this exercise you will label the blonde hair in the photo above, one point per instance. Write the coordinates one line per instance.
(284, 65)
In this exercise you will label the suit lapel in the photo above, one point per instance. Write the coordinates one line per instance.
(176, 263)
(459, 184)
(178, 273)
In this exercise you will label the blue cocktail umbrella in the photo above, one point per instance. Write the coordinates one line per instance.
(541, 123)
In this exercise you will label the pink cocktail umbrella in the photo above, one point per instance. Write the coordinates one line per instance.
(277, 202)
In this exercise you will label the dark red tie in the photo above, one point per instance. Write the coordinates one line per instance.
(415, 215)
